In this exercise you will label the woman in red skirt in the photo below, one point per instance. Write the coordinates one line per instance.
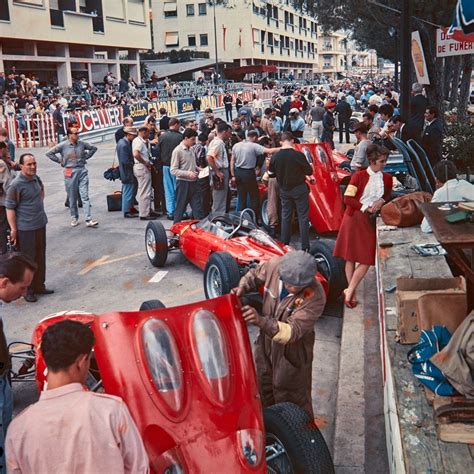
(366, 193)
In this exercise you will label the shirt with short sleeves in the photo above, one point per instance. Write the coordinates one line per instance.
(218, 151)
(246, 153)
(141, 146)
(25, 197)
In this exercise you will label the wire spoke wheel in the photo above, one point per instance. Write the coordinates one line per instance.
(278, 461)
(150, 243)
(214, 282)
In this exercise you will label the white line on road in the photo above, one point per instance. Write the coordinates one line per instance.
(157, 277)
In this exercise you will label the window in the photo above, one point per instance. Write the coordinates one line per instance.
(203, 40)
(191, 40)
(202, 9)
(190, 9)
(170, 9)
(4, 11)
(172, 38)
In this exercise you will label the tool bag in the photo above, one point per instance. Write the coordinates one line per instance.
(431, 342)
(114, 201)
(403, 211)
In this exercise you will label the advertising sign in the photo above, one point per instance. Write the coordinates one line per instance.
(456, 45)
(98, 119)
(419, 59)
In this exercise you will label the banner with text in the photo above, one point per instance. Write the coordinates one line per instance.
(453, 45)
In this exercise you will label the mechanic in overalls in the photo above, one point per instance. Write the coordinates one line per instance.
(293, 299)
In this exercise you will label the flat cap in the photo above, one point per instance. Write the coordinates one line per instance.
(298, 268)
(294, 110)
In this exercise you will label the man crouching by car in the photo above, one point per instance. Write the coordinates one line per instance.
(71, 429)
(293, 299)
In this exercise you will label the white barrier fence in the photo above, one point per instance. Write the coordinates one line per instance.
(28, 131)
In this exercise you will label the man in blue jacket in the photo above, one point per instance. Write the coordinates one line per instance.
(125, 159)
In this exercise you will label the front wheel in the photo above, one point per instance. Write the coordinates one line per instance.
(331, 267)
(156, 243)
(264, 211)
(293, 443)
(220, 275)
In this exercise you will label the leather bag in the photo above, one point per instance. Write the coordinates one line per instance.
(114, 201)
(403, 211)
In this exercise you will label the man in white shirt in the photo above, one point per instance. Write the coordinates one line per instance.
(219, 162)
(142, 171)
(449, 188)
(71, 429)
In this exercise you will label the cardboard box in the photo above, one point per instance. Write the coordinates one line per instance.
(410, 290)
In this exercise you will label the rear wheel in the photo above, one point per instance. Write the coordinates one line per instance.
(294, 443)
(220, 275)
(331, 267)
(156, 243)
(151, 304)
(264, 210)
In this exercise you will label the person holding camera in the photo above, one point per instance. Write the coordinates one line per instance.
(365, 195)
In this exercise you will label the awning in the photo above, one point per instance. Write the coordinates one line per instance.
(238, 73)
(172, 38)
(170, 7)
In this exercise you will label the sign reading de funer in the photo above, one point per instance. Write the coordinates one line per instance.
(447, 46)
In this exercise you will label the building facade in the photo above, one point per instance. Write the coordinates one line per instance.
(247, 32)
(252, 32)
(59, 40)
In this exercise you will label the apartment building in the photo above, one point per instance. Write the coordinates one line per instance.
(64, 39)
(248, 33)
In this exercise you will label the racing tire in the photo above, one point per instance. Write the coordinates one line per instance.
(151, 304)
(156, 243)
(331, 267)
(264, 211)
(290, 428)
(220, 275)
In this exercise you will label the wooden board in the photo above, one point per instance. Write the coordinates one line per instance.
(411, 420)
(454, 419)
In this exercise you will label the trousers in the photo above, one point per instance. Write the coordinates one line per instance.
(317, 129)
(344, 124)
(247, 188)
(128, 194)
(187, 192)
(169, 182)
(219, 196)
(273, 202)
(78, 185)
(205, 194)
(3, 229)
(143, 176)
(33, 244)
(296, 198)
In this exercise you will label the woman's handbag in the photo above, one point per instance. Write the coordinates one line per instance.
(403, 211)
(112, 173)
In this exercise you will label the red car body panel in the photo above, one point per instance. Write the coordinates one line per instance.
(198, 244)
(202, 430)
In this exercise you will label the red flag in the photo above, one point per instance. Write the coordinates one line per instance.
(240, 37)
(224, 31)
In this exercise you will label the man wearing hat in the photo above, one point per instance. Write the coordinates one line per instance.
(125, 159)
(293, 299)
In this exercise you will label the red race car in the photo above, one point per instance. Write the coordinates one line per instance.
(227, 246)
(188, 379)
